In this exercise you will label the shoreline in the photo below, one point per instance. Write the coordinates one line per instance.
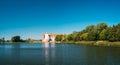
(90, 43)
(19, 42)
(95, 43)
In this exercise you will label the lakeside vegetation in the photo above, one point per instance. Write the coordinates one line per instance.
(17, 39)
(100, 34)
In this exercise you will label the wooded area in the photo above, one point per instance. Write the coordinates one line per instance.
(100, 31)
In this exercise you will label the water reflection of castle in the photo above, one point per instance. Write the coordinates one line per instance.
(49, 37)
(48, 45)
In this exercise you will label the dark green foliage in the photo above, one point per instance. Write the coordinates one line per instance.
(70, 37)
(118, 32)
(99, 32)
(101, 26)
(59, 38)
(114, 33)
(16, 39)
(76, 36)
(103, 34)
(90, 28)
(92, 35)
(84, 36)
(2, 40)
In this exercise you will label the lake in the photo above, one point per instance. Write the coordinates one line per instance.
(58, 54)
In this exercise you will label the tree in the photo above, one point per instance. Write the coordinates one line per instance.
(99, 32)
(30, 40)
(90, 28)
(100, 27)
(16, 39)
(103, 35)
(92, 35)
(112, 34)
(76, 36)
(118, 32)
(70, 37)
(92, 32)
(64, 37)
(84, 36)
(2, 40)
(59, 38)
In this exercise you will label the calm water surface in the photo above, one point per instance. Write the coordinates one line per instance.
(58, 54)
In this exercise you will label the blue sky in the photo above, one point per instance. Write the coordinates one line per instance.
(32, 18)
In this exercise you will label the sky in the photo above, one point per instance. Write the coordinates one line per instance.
(32, 18)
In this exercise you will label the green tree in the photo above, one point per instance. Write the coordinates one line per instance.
(90, 28)
(84, 36)
(0, 40)
(70, 37)
(3, 39)
(103, 35)
(100, 27)
(64, 38)
(99, 32)
(92, 35)
(76, 36)
(59, 38)
(118, 32)
(16, 39)
(92, 32)
(112, 34)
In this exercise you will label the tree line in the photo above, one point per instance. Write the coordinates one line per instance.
(13, 39)
(101, 31)
(2, 39)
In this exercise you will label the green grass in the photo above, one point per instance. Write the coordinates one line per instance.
(94, 43)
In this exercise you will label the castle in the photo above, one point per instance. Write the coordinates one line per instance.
(49, 37)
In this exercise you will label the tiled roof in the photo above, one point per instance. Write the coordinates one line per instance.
(53, 34)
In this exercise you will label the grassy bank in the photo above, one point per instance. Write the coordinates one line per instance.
(91, 43)
(94, 43)
(18, 42)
